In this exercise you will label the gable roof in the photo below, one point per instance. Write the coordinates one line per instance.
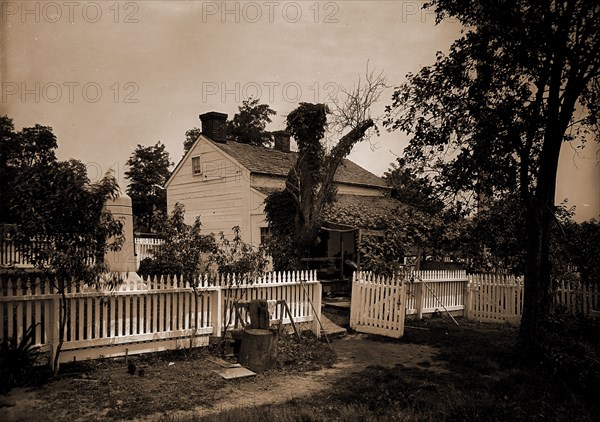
(268, 161)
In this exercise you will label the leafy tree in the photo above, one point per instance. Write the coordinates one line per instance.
(189, 253)
(494, 112)
(412, 189)
(248, 126)
(63, 227)
(191, 136)
(581, 243)
(249, 123)
(237, 257)
(184, 251)
(493, 239)
(18, 150)
(148, 172)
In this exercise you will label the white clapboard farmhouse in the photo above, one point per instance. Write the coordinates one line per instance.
(226, 182)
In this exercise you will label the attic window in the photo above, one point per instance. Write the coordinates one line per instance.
(196, 167)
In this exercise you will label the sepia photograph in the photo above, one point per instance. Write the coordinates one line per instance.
(351, 210)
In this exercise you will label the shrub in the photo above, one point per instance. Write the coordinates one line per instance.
(17, 359)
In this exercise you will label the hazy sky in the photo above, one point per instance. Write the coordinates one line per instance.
(110, 75)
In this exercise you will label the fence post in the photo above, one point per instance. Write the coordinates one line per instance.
(419, 298)
(467, 299)
(216, 307)
(510, 303)
(355, 298)
(52, 328)
(317, 294)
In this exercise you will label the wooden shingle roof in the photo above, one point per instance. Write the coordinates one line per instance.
(268, 161)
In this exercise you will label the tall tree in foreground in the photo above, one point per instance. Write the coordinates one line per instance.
(295, 214)
(494, 112)
(63, 226)
(148, 172)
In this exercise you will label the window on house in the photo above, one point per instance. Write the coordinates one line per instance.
(196, 167)
(265, 233)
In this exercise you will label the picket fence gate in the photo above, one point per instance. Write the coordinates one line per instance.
(378, 304)
(147, 316)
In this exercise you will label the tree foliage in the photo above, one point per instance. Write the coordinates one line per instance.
(33, 146)
(185, 251)
(494, 112)
(191, 136)
(585, 248)
(148, 171)
(188, 253)
(310, 183)
(238, 257)
(250, 122)
(412, 189)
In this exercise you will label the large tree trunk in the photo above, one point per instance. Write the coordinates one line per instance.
(536, 304)
(540, 218)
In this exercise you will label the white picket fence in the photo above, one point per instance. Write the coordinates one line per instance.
(480, 297)
(11, 257)
(432, 291)
(150, 316)
(581, 298)
(144, 248)
(494, 298)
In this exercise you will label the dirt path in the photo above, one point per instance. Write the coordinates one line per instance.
(64, 401)
(354, 352)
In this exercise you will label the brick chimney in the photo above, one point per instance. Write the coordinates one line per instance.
(282, 140)
(214, 126)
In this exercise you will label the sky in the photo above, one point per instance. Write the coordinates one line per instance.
(109, 75)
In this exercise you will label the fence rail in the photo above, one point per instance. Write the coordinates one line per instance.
(146, 316)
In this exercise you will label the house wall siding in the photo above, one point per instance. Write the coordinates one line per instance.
(220, 195)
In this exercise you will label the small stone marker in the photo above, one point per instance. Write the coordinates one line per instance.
(232, 373)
